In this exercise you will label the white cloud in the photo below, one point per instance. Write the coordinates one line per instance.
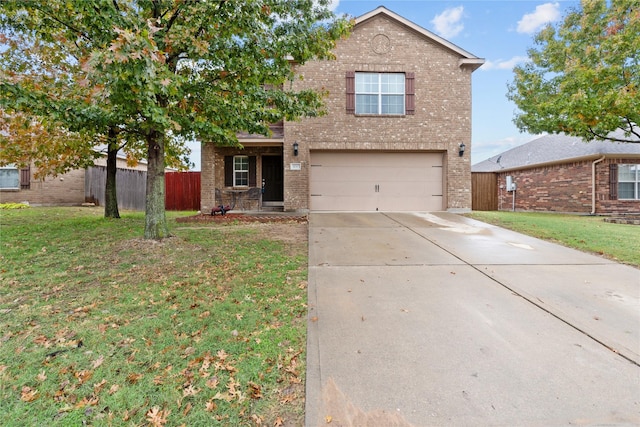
(449, 23)
(503, 64)
(483, 150)
(544, 14)
(333, 5)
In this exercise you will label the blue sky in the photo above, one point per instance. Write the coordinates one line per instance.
(500, 31)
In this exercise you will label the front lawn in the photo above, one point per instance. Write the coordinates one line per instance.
(101, 327)
(619, 242)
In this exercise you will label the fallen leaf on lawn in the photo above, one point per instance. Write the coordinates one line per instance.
(114, 388)
(187, 409)
(83, 376)
(288, 398)
(90, 401)
(133, 378)
(212, 382)
(157, 417)
(254, 390)
(190, 391)
(98, 362)
(188, 352)
(97, 387)
(41, 376)
(238, 316)
(205, 314)
(210, 406)
(28, 394)
(220, 396)
(257, 419)
(278, 422)
(42, 340)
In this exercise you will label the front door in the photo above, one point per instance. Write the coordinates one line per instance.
(272, 179)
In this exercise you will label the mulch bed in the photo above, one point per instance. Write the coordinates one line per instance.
(241, 217)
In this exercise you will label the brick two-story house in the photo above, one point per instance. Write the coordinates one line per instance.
(398, 114)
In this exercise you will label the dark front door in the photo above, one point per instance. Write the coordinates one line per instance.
(272, 179)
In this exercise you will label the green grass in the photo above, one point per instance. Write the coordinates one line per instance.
(619, 242)
(100, 327)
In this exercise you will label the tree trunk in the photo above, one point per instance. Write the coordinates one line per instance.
(155, 226)
(110, 191)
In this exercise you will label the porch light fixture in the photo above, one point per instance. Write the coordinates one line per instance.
(295, 148)
(461, 149)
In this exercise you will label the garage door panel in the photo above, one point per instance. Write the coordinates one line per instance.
(409, 203)
(343, 203)
(376, 181)
(338, 188)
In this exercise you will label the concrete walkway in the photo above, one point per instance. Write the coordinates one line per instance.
(436, 319)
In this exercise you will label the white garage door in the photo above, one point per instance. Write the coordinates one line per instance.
(376, 181)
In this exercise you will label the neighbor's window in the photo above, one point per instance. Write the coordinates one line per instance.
(629, 182)
(380, 93)
(240, 171)
(9, 177)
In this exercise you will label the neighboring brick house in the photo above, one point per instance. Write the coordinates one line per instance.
(559, 173)
(74, 187)
(398, 113)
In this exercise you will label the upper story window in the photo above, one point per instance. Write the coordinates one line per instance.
(380, 93)
(383, 94)
(629, 182)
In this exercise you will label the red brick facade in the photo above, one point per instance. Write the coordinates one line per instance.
(440, 123)
(566, 187)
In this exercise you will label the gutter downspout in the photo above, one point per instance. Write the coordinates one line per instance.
(593, 184)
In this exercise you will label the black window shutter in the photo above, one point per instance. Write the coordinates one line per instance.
(351, 92)
(613, 181)
(410, 93)
(228, 171)
(252, 171)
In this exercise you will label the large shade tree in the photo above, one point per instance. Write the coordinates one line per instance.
(583, 75)
(168, 70)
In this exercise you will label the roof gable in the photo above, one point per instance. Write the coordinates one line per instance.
(466, 58)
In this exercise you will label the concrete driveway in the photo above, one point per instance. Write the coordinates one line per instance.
(436, 319)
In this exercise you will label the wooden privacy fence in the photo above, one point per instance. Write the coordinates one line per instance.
(130, 187)
(484, 191)
(182, 191)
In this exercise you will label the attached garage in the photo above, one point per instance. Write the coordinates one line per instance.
(376, 181)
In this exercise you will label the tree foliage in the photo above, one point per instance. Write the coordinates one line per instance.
(583, 76)
(53, 150)
(167, 70)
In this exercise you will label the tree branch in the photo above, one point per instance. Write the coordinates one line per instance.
(609, 138)
(66, 25)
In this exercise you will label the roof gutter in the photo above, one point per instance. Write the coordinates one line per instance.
(593, 184)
